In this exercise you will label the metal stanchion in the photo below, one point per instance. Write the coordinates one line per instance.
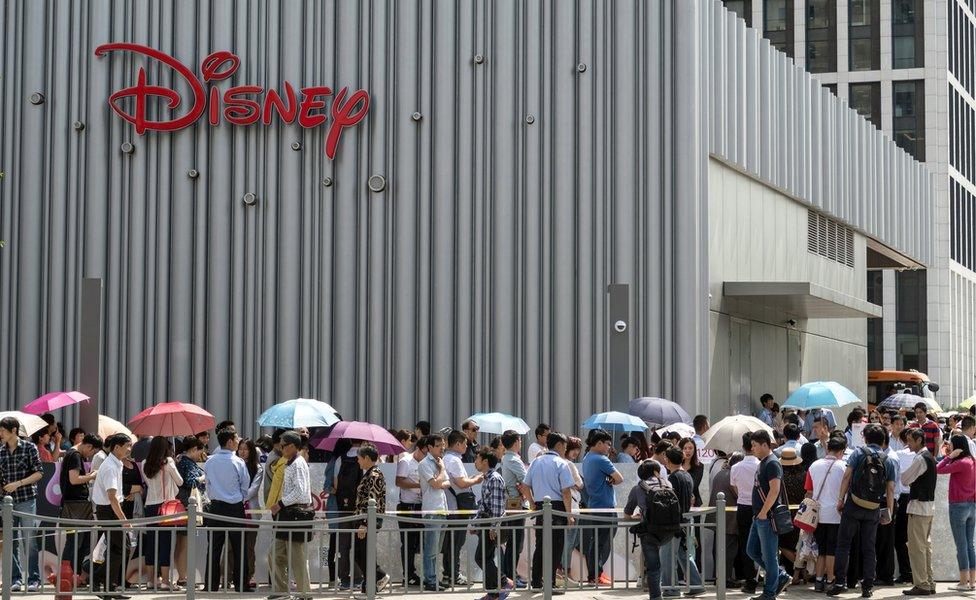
(191, 548)
(720, 546)
(8, 544)
(370, 574)
(546, 548)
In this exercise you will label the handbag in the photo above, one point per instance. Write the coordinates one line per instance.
(173, 509)
(299, 519)
(780, 516)
(808, 516)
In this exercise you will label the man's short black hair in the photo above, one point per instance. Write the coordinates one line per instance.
(93, 440)
(674, 455)
(791, 431)
(967, 422)
(49, 418)
(837, 443)
(922, 405)
(291, 437)
(699, 421)
(762, 437)
(764, 398)
(627, 442)
(598, 435)
(421, 443)
(369, 451)
(555, 438)
(75, 431)
(648, 469)
(224, 425)
(542, 429)
(747, 442)
(662, 446)
(225, 435)
(434, 439)
(423, 427)
(792, 418)
(11, 424)
(915, 433)
(509, 439)
(874, 434)
(855, 416)
(456, 437)
(115, 440)
(897, 417)
(488, 456)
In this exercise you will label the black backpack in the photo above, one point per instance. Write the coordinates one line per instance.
(347, 481)
(662, 519)
(870, 481)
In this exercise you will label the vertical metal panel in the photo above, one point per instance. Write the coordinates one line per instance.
(476, 280)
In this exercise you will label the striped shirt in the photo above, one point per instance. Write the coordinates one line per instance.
(20, 464)
(492, 502)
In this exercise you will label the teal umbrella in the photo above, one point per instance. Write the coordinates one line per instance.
(300, 412)
(821, 394)
(615, 421)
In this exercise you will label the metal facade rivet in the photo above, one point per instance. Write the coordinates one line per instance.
(376, 183)
(327, 182)
(296, 146)
(78, 125)
(128, 147)
(479, 59)
(250, 199)
(193, 173)
(36, 98)
(581, 67)
(529, 119)
(416, 116)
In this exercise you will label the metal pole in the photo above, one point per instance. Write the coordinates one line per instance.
(8, 545)
(191, 548)
(546, 548)
(720, 546)
(370, 574)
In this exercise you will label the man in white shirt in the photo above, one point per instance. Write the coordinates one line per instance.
(290, 563)
(894, 442)
(408, 480)
(823, 484)
(459, 497)
(433, 483)
(920, 477)
(107, 497)
(905, 457)
(538, 447)
(742, 477)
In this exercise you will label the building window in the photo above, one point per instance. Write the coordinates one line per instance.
(962, 39)
(909, 121)
(742, 8)
(865, 98)
(875, 326)
(906, 34)
(778, 24)
(821, 36)
(911, 326)
(864, 34)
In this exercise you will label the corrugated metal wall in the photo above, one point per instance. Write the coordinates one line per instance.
(773, 120)
(476, 280)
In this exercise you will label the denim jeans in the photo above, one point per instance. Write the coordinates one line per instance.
(596, 547)
(29, 536)
(763, 548)
(682, 560)
(962, 520)
(433, 538)
(652, 568)
(572, 541)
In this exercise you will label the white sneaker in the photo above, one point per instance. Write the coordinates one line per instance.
(382, 583)
(16, 587)
(33, 587)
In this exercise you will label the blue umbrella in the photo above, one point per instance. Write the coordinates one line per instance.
(659, 411)
(821, 394)
(300, 412)
(615, 421)
(496, 422)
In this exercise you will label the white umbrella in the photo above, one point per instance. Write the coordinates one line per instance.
(682, 429)
(29, 424)
(108, 426)
(726, 435)
(496, 422)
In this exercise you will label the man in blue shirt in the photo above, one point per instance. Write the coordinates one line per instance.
(549, 476)
(859, 516)
(227, 485)
(599, 477)
(766, 414)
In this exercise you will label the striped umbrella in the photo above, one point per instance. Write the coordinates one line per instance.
(907, 401)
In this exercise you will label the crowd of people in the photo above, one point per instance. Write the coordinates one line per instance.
(871, 485)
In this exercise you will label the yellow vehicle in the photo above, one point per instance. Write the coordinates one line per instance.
(882, 384)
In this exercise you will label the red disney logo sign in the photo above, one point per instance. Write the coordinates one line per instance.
(240, 105)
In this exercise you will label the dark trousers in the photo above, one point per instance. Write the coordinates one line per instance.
(885, 550)
(454, 539)
(597, 542)
(745, 568)
(485, 559)
(360, 559)
(652, 567)
(218, 537)
(76, 545)
(901, 539)
(156, 546)
(557, 544)
(111, 572)
(345, 556)
(514, 541)
(861, 524)
(410, 540)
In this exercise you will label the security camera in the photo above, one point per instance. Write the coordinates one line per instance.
(620, 326)
(791, 322)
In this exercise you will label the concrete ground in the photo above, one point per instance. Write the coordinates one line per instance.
(881, 593)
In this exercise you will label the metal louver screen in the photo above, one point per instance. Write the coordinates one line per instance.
(830, 239)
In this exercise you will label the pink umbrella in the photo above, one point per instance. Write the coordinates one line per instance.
(172, 419)
(358, 430)
(53, 401)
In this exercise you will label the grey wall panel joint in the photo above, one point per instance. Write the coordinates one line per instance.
(127, 147)
(250, 199)
(416, 116)
(78, 125)
(479, 59)
(529, 119)
(327, 182)
(296, 146)
(376, 183)
(581, 67)
(193, 173)
(36, 98)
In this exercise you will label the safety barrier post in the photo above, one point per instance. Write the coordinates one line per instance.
(720, 546)
(370, 574)
(8, 544)
(546, 548)
(191, 548)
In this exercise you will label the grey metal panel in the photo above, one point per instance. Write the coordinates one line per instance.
(841, 167)
(475, 280)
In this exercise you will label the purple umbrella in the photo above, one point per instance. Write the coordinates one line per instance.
(658, 411)
(358, 430)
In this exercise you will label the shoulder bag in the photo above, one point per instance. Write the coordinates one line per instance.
(808, 516)
(174, 510)
(779, 516)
